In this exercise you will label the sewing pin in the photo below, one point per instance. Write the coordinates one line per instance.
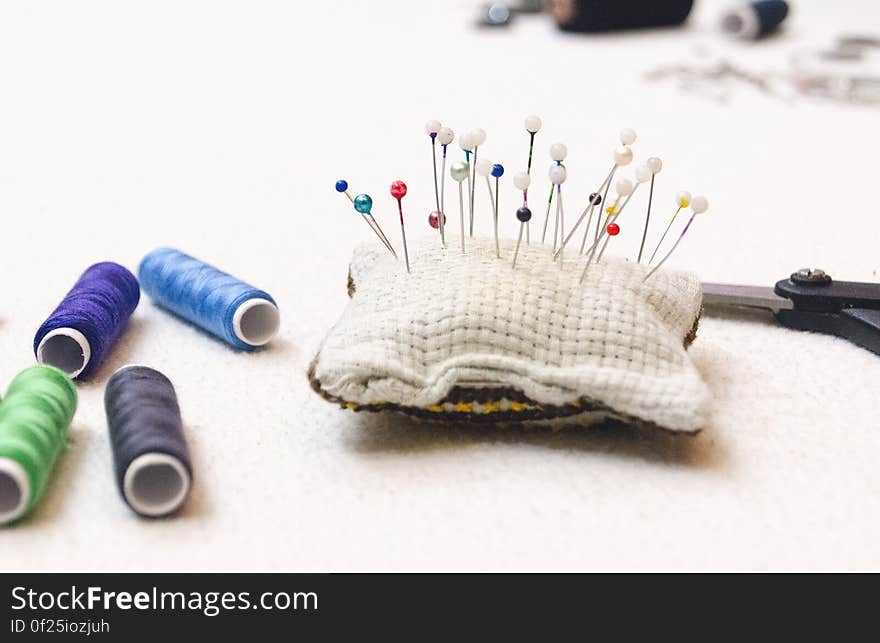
(497, 172)
(623, 155)
(682, 200)
(521, 181)
(445, 136)
(398, 191)
(484, 169)
(533, 125)
(594, 200)
(460, 171)
(432, 127)
(624, 188)
(654, 166)
(524, 215)
(558, 174)
(342, 186)
(466, 143)
(477, 137)
(699, 205)
(558, 152)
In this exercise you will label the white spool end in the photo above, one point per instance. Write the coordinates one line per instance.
(66, 349)
(156, 484)
(256, 321)
(741, 22)
(15, 490)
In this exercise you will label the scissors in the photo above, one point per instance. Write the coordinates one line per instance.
(810, 300)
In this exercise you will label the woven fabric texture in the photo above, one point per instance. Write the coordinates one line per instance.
(471, 320)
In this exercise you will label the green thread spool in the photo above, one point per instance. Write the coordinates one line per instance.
(34, 418)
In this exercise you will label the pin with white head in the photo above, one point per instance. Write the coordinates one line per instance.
(558, 152)
(699, 205)
(459, 172)
(432, 129)
(557, 176)
(521, 181)
(398, 191)
(477, 138)
(682, 200)
(466, 142)
(533, 126)
(652, 165)
(484, 169)
(364, 207)
(445, 136)
(623, 155)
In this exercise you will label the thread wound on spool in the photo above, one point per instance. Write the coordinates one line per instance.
(152, 464)
(241, 315)
(81, 332)
(34, 419)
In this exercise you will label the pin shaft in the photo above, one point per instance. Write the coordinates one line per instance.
(660, 243)
(647, 220)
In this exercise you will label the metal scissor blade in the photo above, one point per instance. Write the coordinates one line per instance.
(724, 295)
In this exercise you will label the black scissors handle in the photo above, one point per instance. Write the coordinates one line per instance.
(847, 309)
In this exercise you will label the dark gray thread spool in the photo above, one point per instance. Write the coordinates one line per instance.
(153, 467)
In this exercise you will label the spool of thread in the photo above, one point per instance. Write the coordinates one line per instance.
(239, 314)
(151, 459)
(34, 418)
(81, 332)
(612, 15)
(755, 19)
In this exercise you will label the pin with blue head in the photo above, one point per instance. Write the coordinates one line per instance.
(363, 205)
(497, 172)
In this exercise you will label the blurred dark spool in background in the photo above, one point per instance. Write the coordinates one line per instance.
(610, 15)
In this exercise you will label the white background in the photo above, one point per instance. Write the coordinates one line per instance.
(220, 128)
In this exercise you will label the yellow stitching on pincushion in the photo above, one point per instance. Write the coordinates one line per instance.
(491, 407)
(517, 406)
(463, 407)
(351, 406)
(435, 408)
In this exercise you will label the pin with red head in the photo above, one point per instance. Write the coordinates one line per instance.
(398, 191)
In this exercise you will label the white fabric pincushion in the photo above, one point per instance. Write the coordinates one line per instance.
(467, 337)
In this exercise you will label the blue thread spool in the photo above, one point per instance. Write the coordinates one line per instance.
(239, 314)
(754, 20)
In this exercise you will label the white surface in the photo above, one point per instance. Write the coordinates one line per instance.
(127, 126)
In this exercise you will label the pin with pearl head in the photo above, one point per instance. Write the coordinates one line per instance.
(533, 126)
(654, 166)
(699, 205)
(477, 137)
(497, 172)
(398, 191)
(342, 186)
(524, 215)
(521, 181)
(432, 128)
(558, 152)
(682, 200)
(466, 143)
(459, 172)
(557, 176)
(445, 136)
(623, 155)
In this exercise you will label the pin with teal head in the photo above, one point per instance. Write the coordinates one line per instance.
(363, 205)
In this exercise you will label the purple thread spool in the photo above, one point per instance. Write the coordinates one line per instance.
(80, 333)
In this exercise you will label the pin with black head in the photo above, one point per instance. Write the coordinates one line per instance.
(523, 215)
(398, 191)
(521, 181)
(432, 129)
(699, 205)
(359, 206)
